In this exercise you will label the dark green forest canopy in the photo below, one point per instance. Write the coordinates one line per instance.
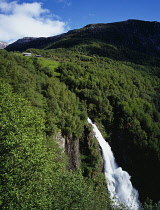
(116, 87)
(123, 97)
(34, 107)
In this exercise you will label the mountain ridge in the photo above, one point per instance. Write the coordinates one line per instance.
(3, 44)
(138, 35)
(108, 72)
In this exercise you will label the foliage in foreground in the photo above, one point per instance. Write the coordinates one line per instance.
(33, 168)
(116, 87)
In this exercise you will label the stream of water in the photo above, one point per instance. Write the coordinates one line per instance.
(118, 181)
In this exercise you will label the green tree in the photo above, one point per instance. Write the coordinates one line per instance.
(23, 157)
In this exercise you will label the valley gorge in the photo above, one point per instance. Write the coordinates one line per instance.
(109, 72)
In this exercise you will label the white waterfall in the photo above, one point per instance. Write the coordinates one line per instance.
(119, 184)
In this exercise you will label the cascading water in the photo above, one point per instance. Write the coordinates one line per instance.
(119, 184)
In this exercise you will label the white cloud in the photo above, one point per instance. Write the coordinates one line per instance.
(27, 19)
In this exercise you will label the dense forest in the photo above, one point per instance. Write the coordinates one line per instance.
(35, 106)
(52, 95)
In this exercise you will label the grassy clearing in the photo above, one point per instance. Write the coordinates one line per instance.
(48, 63)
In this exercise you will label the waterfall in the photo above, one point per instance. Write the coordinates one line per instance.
(119, 184)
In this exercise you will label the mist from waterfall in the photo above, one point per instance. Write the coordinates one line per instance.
(118, 181)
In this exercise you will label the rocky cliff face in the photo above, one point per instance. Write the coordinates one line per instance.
(60, 141)
(83, 153)
(69, 145)
(73, 152)
(3, 44)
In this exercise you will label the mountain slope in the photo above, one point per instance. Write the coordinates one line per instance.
(36, 110)
(137, 35)
(114, 72)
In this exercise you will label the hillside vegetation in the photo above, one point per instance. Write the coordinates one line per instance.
(35, 106)
(88, 72)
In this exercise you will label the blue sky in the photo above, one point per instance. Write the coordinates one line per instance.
(83, 12)
(51, 17)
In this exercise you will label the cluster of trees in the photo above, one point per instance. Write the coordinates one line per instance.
(34, 107)
(123, 97)
(116, 87)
